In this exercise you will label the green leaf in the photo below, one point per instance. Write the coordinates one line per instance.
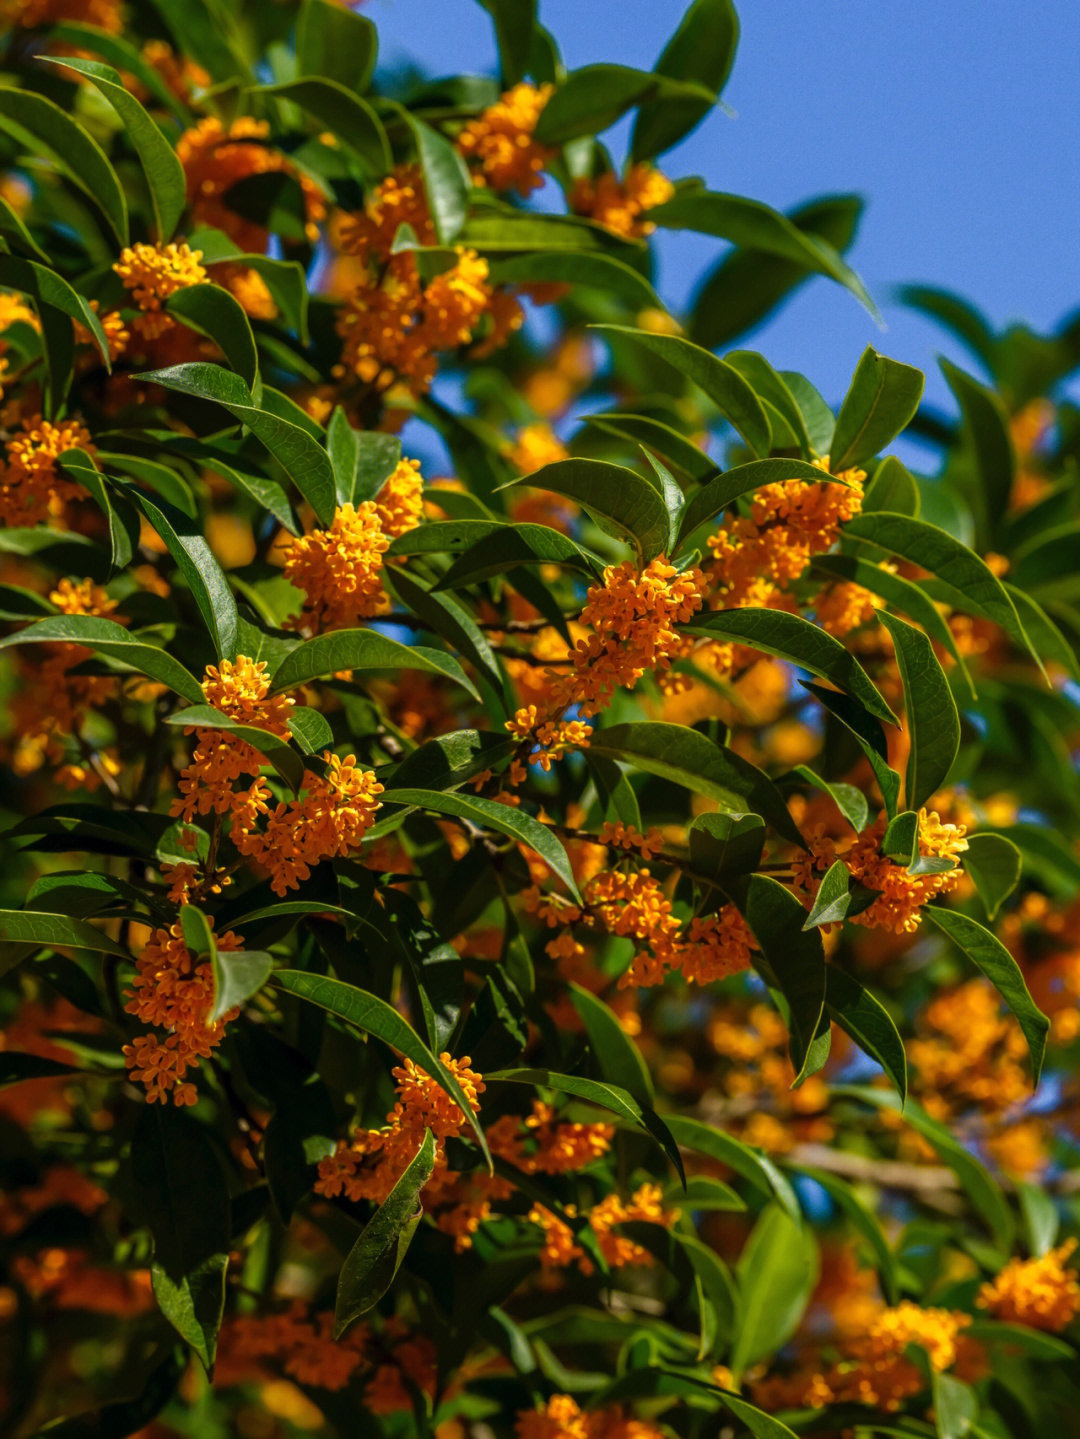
(214, 312)
(47, 288)
(956, 1406)
(452, 621)
(592, 98)
(833, 899)
(884, 395)
(489, 814)
(985, 1195)
(42, 128)
(754, 1166)
(966, 582)
(987, 952)
(374, 1016)
(514, 22)
(850, 801)
(356, 650)
(375, 1258)
(986, 436)
(901, 594)
(723, 844)
(671, 444)
(792, 638)
(17, 1066)
(793, 955)
(862, 1219)
(199, 566)
(363, 460)
(20, 927)
(238, 974)
(447, 182)
(760, 1424)
(867, 1021)
(1040, 1215)
(994, 864)
(702, 49)
(616, 1055)
(703, 1192)
(194, 1303)
(870, 735)
(708, 503)
(337, 44)
(893, 487)
(721, 382)
(301, 457)
(772, 388)
(506, 546)
(336, 108)
(748, 284)
(123, 522)
(619, 500)
(164, 173)
(754, 226)
(608, 1096)
(183, 1199)
(15, 232)
(106, 637)
(124, 57)
(691, 759)
(777, 1271)
(288, 763)
(932, 719)
(1032, 1342)
(591, 269)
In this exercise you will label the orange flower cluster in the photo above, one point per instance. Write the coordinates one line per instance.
(13, 311)
(330, 818)
(844, 606)
(29, 14)
(874, 1369)
(57, 701)
(619, 205)
(563, 1418)
(756, 556)
(154, 272)
(339, 569)
(1039, 1292)
(618, 835)
(560, 1249)
(174, 992)
(902, 894)
(215, 159)
(370, 1164)
(632, 616)
(32, 487)
(499, 143)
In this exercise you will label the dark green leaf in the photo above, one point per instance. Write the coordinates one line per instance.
(489, 814)
(868, 1023)
(884, 395)
(214, 312)
(376, 1256)
(363, 460)
(722, 383)
(619, 500)
(616, 1055)
(288, 763)
(47, 288)
(754, 1166)
(336, 108)
(592, 269)
(507, 546)
(336, 43)
(108, 638)
(692, 760)
(790, 637)
(301, 457)
(163, 170)
(514, 21)
(987, 952)
(44, 129)
(932, 719)
(833, 899)
(994, 864)
(374, 1016)
(701, 49)
(986, 434)
(22, 927)
(851, 802)
(870, 735)
(359, 650)
(592, 98)
(723, 844)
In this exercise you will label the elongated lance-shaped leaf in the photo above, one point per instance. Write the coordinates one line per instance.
(164, 173)
(720, 493)
(375, 1258)
(20, 928)
(867, 1021)
(300, 455)
(374, 1016)
(108, 638)
(214, 312)
(360, 650)
(619, 500)
(884, 395)
(932, 719)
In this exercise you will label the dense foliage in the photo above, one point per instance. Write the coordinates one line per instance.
(466, 934)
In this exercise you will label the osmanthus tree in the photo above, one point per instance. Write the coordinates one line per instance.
(465, 933)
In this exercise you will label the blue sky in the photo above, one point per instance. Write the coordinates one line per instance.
(957, 120)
